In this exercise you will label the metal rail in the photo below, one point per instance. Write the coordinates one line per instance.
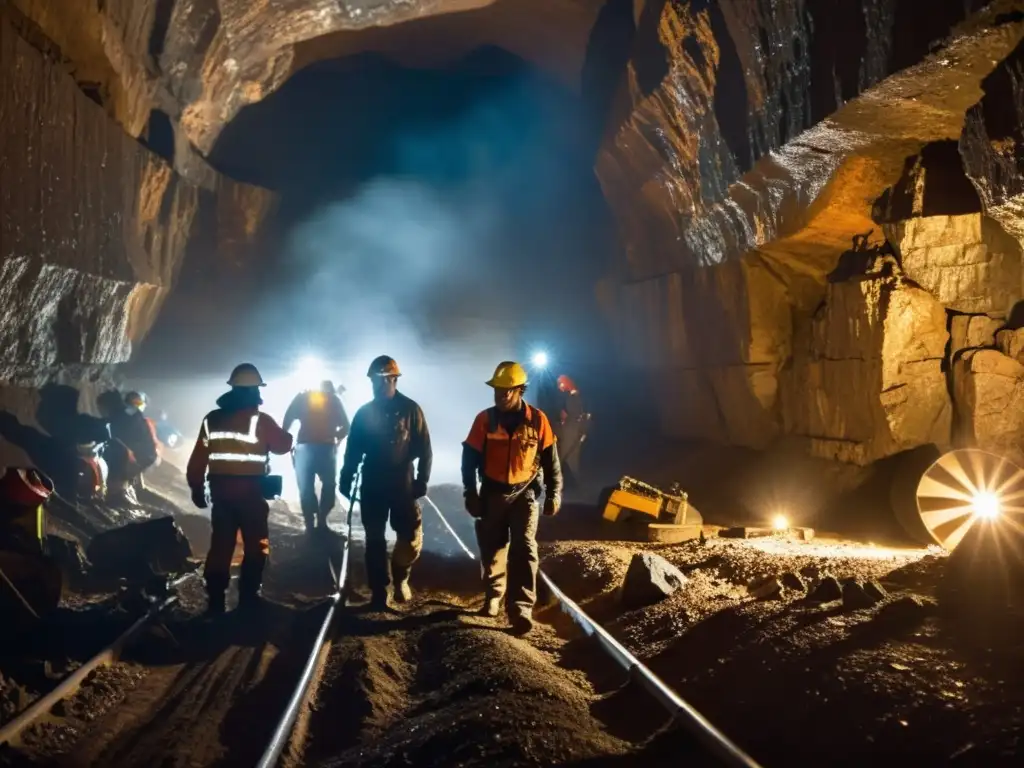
(70, 684)
(714, 740)
(283, 731)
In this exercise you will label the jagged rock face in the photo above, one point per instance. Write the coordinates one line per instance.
(201, 61)
(867, 380)
(837, 141)
(989, 389)
(94, 225)
(967, 262)
(992, 144)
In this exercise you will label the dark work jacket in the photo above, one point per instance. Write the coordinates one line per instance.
(387, 436)
(137, 434)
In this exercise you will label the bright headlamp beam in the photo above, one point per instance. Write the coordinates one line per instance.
(540, 359)
(986, 506)
(780, 523)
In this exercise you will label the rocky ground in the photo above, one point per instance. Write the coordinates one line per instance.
(819, 671)
(806, 653)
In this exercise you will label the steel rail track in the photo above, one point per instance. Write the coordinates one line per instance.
(713, 740)
(283, 730)
(70, 684)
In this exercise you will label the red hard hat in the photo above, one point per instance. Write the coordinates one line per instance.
(24, 486)
(565, 384)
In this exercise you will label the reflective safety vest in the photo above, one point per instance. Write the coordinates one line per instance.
(233, 451)
(511, 459)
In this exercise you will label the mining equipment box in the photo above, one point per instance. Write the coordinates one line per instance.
(650, 514)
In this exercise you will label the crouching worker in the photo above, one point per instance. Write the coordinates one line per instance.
(233, 453)
(509, 446)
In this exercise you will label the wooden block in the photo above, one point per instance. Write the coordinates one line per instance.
(666, 533)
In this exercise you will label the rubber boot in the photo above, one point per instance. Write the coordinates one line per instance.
(521, 624)
(379, 601)
(215, 589)
(403, 592)
(491, 607)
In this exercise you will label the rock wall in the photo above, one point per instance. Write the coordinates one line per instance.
(824, 258)
(201, 61)
(94, 230)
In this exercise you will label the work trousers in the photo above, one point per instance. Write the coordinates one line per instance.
(312, 461)
(506, 533)
(377, 508)
(250, 516)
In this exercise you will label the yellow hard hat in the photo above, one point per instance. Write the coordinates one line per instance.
(383, 366)
(246, 375)
(508, 375)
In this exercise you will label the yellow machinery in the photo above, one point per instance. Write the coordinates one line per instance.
(654, 514)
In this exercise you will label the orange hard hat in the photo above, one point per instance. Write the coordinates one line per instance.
(565, 384)
(24, 486)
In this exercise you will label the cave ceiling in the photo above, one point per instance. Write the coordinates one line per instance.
(201, 61)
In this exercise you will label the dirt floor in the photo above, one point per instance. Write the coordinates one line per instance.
(792, 680)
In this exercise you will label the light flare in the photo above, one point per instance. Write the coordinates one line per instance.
(540, 359)
(780, 523)
(965, 486)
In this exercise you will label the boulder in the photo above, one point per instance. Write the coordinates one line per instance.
(794, 582)
(855, 598)
(967, 262)
(875, 591)
(139, 550)
(827, 591)
(866, 379)
(972, 332)
(1011, 343)
(767, 589)
(649, 580)
(989, 391)
(983, 579)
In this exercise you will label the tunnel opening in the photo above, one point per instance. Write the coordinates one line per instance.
(449, 217)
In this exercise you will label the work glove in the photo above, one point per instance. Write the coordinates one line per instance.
(199, 497)
(551, 506)
(473, 505)
(419, 488)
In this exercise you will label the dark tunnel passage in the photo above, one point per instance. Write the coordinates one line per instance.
(424, 204)
(448, 217)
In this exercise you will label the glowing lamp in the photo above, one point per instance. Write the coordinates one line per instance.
(540, 359)
(309, 370)
(780, 523)
(986, 506)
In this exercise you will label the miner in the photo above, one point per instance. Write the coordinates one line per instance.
(133, 449)
(323, 424)
(232, 453)
(510, 447)
(570, 429)
(388, 435)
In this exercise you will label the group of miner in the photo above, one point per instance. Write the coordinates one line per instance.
(509, 456)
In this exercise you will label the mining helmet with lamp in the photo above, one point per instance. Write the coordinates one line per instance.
(246, 375)
(135, 400)
(383, 366)
(508, 375)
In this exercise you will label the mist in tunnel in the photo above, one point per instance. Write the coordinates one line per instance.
(448, 218)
